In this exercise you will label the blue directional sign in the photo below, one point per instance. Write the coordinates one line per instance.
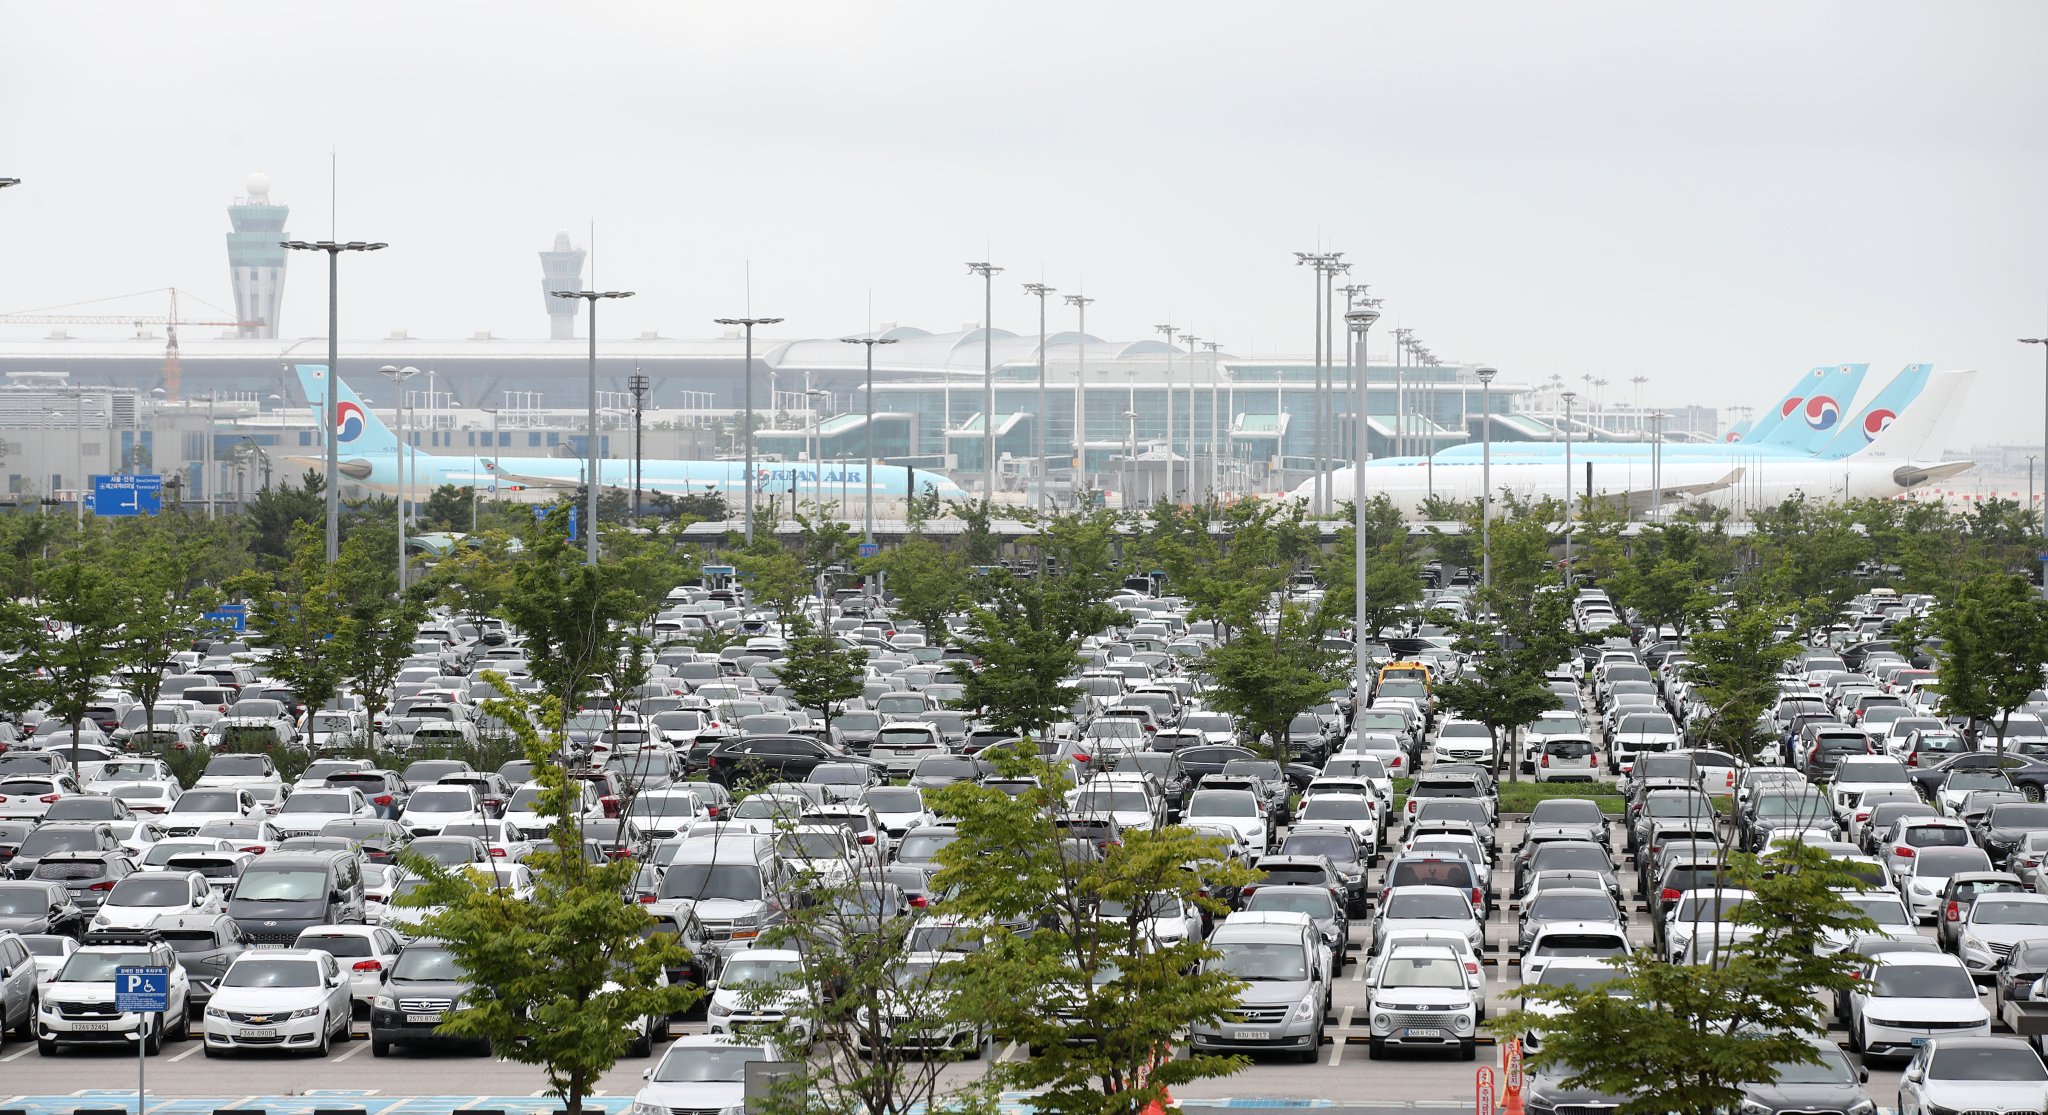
(142, 990)
(232, 616)
(717, 571)
(869, 549)
(122, 496)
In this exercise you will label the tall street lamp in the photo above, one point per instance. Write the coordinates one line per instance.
(1486, 475)
(1360, 321)
(747, 427)
(867, 533)
(398, 376)
(1169, 330)
(815, 444)
(1657, 466)
(1187, 479)
(591, 478)
(1080, 446)
(1569, 398)
(988, 272)
(637, 383)
(331, 436)
(1038, 420)
(2043, 342)
(1131, 458)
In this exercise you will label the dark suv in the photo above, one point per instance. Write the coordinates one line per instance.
(423, 985)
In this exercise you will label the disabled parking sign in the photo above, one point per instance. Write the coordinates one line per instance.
(142, 990)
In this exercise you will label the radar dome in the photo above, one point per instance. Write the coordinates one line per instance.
(257, 185)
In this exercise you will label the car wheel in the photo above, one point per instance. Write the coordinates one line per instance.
(183, 1030)
(211, 1052)
(1375, 1049)
(326, 1031)
(1467, 1051)
(642, 1045)
(45, 1047)
(153, 1041)
(27, 1029)
(379, 1048)
(2031, 791)
(343, 1034)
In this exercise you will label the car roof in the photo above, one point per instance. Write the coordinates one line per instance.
(1261, 930)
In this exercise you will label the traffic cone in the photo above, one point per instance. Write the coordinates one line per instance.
(1514, 1103)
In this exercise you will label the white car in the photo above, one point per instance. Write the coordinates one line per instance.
(153, 798)
(1419, 997)
(899, 808)
(214, 803)
(701, 1073)
(158, 858)
(1922, 878)
(364, 952)
(1572, 940)
(28, 797)
(758, 991)
(128, 768)
(49, 951)
(139, 899)
(308, 811)
(1242, 810)
(1463, 741)
(77, 1007)
(293, 999)
(317, 772)
(1996, 924)
(1357, 813)
(1577, 971)
(822, 854)
(1901, 999)
(232, 769)
(433, 808)
(1988, 1074)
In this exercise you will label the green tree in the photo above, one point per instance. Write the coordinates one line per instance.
(61, 654)
(1266, 678)
(821, 672)
(1682, 1039)
(775, 578)
(1994, 648)
(296, 613)
(574, 616)
(572, 1015)
(1503, 688)
(928, 583)
(1734, 670)
(276, 513)
(1081, 975)
(448, 508)
(1019, 678)
(162, 615)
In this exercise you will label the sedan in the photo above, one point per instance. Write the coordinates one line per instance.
(1995, 925)
(309, 811)
(279, 999)
(1952, 1074)
(1903, 999)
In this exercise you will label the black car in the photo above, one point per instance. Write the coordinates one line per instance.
(379, 841)
(423, 985)
(699, 966)
(12, 833)
(1833, 1084)
(386, 792)
(2017, 977)
(38, 907)
(89, 876)
(2005, 825)
(2028, 774)
(1211, 759)
(771, 759)
(57, 839)
(206, 944)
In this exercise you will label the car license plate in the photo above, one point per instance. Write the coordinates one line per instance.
(1254, 1035)
(423, 1018)
(256, 1033)
(1422, 1032)
(1919, 1041)
(89, 1027)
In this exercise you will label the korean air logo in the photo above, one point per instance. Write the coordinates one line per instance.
(1822, 412)
(1732, 437)
(1791, 406)
(1876, 422)
(348, 422)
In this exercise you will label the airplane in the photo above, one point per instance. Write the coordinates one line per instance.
(1818, 398)
(369, 452)
(1905, 454)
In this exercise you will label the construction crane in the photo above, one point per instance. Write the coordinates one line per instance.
(170, 322)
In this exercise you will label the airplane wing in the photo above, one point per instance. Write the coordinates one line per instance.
(528, 480)
(1645, 496)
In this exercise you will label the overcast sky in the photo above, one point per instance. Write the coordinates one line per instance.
(1713, 195)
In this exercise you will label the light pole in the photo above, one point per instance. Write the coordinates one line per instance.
(1080, 304)
(1038, 420)
(988, 272)
(1486, 477)
(329, 437)
(1569, 398)
(867, 533)
(1320, 263)
(1361, 322)
(1657, 466)
(1188, 478)
(6, 182)
(747, 427)
(1640, 416)
(1169, 330)
(2043, 342)
(211, 398)
(398, 376)
(1215, 444)
(591, 477)
(637, 383)
(815, 444)
(1131, 458)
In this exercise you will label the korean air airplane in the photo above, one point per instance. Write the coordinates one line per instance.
(368, 455)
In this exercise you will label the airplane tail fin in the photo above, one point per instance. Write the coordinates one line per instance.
(356, 429)
(1808, 422)
(1920, 433)
(1737, 432)
(1879, 412)
(1768, 420)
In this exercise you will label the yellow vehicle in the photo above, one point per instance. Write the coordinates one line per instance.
(1405, 671)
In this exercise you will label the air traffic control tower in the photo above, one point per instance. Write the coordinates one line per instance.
(256, 258)
(561, 269)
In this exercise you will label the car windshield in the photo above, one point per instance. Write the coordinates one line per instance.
(744, 971)
(1423, 971)
(336, 944)
(282, 886)
(895, 800)
(1940, 863)
(838, 774)
(665, 805)
(1222, 803)
(415, 963)
(1340, 848)
(1572, 907)
(1336, 807)
(24, 901)
(1834, 1068)
(1571, 975)
(812, 845)
(736, 881)
(2009, 911)
(208, 801)
(98, 967)
(442, 801)
(1648, 723)
(264, 972)
(238, 766)
(1579, 944)
(1157, 906)
(2018, 815)
(1975, 1063)
(1571, 857)
(696, 1064)
(316, 802)
(1883, 909)
(918, 847)
(766, 807)
(1978, 780)
(1922, 981)
(1255, 961)
(1112, 801)
(150, 890)
(1413, 904)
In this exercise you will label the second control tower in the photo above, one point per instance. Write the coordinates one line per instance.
(256, 258)
(561, 269)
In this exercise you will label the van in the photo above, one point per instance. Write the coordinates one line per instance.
(281, 895)
(734, 883)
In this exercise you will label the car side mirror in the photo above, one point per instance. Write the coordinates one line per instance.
(711, 985)
(1863, 1075)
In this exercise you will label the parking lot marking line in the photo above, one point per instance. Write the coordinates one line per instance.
(196, 1047)
(1008, 1050)
(18, 1054)
(1343, 1029)
(354, 1048)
